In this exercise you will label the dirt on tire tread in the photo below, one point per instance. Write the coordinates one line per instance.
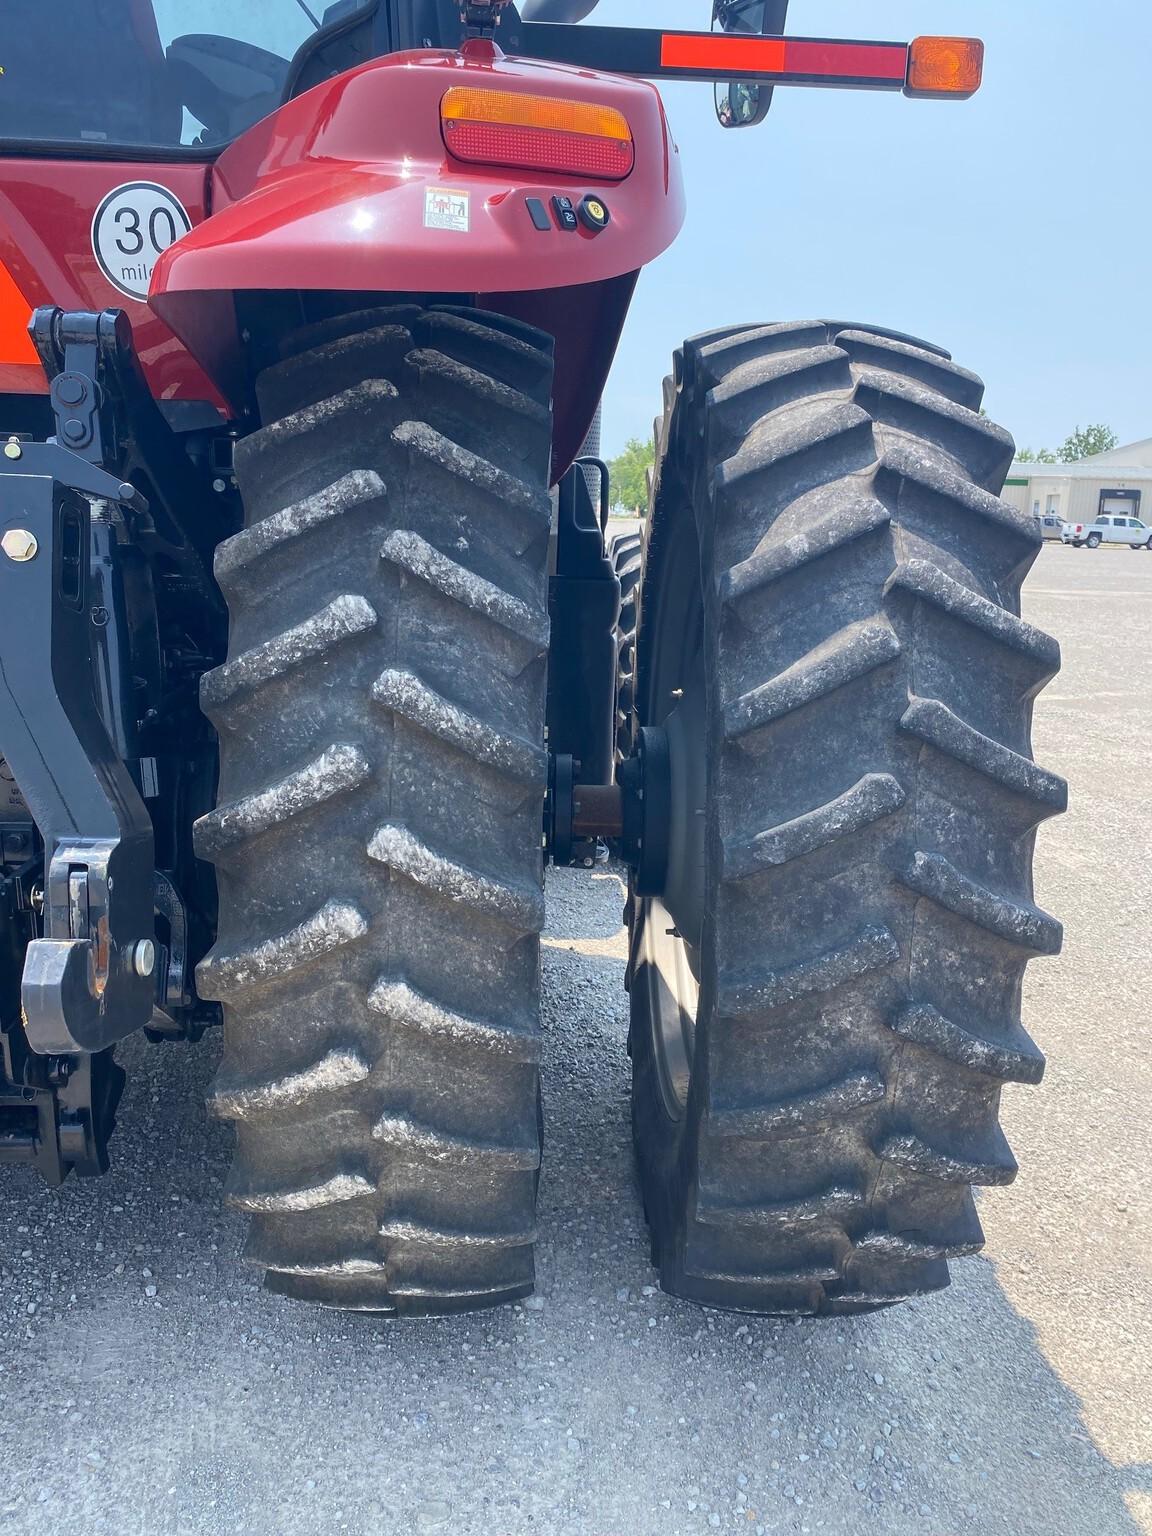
(377, 839)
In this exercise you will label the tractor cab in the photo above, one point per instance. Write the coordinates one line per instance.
(191, 75)
(149, 75)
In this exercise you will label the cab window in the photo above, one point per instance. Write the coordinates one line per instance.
(148, 74)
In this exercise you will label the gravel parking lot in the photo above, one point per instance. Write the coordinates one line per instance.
(147, 1386)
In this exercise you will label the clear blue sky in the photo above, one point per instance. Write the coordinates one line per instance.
(1014, 229)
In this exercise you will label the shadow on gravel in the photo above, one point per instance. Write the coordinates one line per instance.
(147, 1387)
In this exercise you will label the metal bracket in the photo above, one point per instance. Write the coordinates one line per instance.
(645, 780)
(89, 981)
(578, 816)
(94, 942)
(57, 1113)
(589, 461)
(105, 414)
(558, 832)
(481, 17)
(74, 349)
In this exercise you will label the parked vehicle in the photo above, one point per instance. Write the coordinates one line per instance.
(1051, 525)
(309, 630)
(1108, 530)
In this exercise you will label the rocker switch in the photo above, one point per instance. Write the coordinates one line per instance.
(565, 213)
(539, 214)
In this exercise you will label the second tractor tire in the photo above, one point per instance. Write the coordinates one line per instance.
(826, 997)
(626, 554)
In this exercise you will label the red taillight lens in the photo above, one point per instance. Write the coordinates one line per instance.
(539, 149)
(537, 133)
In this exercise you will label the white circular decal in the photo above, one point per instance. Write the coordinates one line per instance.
(133, 225)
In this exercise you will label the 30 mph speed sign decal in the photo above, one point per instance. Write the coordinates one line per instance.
(133, 225)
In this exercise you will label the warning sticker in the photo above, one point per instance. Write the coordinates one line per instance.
(445, 209)
(133, 225)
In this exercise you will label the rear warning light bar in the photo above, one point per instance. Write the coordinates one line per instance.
(945, 67)
(537, 133)
(803, 60)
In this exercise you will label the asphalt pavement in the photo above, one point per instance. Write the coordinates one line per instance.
(148, 1387)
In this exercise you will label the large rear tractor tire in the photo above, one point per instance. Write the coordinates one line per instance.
(627, 555)
(377, 840)
(826, 995)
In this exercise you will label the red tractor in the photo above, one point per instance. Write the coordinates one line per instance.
(308, 627)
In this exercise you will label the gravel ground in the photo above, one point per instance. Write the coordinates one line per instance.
(146, 1385)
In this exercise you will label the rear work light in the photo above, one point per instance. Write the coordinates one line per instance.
(537, 133)
(945, 67)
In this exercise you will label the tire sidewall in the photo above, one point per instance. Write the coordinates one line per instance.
(666, 1146)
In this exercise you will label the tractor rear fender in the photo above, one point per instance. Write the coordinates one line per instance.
(350, 188)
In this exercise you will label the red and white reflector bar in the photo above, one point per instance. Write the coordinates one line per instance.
(787, 60)
(949, 67)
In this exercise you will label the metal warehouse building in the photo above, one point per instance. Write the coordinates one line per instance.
(1119, 482)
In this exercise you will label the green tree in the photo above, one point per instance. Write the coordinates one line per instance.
(630, 475)
(1084, 443)
(1036, 456)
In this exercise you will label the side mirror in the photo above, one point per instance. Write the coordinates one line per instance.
(744, 103)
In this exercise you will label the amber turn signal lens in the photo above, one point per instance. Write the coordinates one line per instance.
(945, 66)
(462, 104)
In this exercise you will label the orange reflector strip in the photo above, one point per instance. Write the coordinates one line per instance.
(512, 110)
(15, 312)
(945, 66)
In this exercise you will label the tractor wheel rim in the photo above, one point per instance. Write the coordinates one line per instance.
(673, 923)
(672, 997)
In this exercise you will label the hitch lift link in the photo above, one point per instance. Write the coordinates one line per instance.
(89, 980)
(93, 971)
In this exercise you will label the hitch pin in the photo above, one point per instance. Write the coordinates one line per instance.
(78, 904)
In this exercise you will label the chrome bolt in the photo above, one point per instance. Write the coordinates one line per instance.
(144, 957)
(19, 545)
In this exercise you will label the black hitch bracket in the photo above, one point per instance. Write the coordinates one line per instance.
(89, 981)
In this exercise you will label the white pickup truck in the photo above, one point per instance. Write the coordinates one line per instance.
(1108, 529)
